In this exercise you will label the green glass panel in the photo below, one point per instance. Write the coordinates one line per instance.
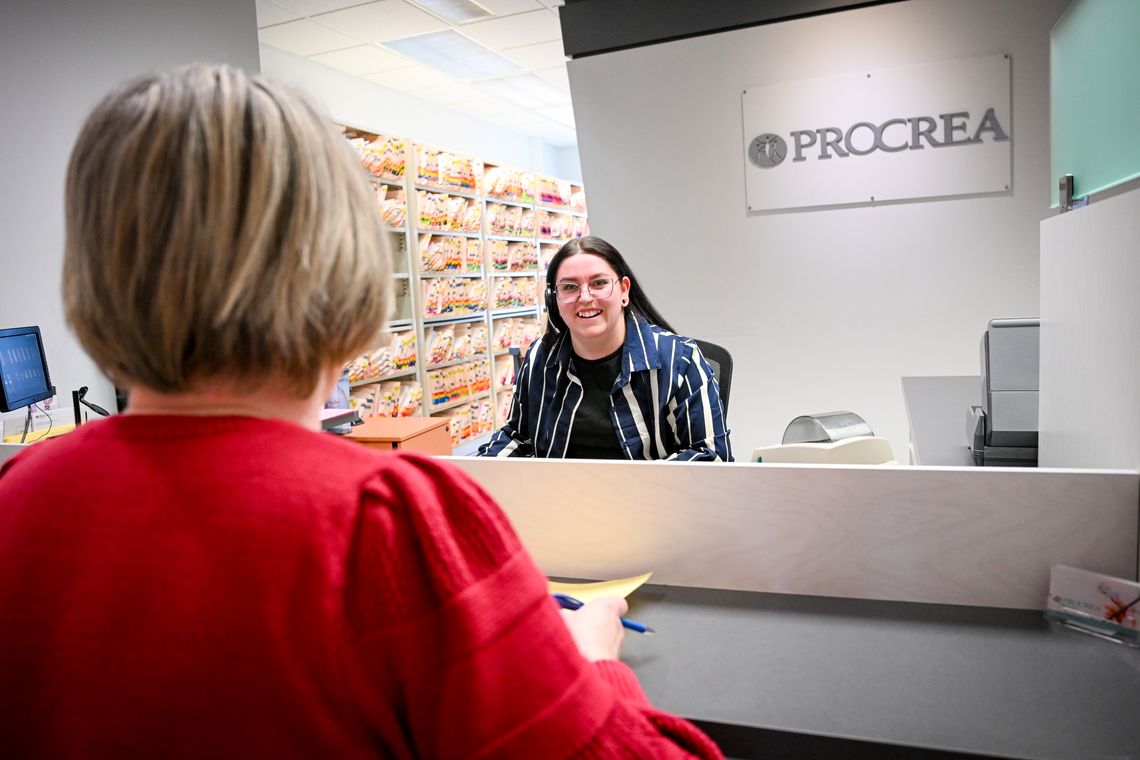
(1094, 93)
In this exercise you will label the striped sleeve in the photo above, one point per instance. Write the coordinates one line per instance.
(515, 439)
(694, 414)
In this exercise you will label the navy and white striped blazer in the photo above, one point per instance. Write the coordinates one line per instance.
(665, 404)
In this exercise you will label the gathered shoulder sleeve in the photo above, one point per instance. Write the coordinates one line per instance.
(455, 647)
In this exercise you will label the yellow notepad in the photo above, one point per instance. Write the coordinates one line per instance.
(587, 592)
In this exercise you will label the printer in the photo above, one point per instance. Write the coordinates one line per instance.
(1003, 430)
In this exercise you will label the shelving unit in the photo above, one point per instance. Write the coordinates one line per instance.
(470, 245)
(386, 381)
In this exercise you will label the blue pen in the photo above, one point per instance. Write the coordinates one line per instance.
(570, 603)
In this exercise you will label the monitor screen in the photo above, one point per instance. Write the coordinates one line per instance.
(24, 377)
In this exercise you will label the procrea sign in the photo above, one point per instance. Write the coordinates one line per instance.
(925, 131)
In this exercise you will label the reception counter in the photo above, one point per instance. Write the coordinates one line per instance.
(770, 675)
(977, 536)
(839, 611)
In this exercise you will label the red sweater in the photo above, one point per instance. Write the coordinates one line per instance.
(196, 587)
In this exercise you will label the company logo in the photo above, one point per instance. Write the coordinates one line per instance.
(767, 150)
(864, 138)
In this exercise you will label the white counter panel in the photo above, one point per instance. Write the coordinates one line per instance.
(973, 536)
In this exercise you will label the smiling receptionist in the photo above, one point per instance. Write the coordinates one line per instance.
(610, 379)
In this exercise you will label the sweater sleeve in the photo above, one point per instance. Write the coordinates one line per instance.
(456, 648)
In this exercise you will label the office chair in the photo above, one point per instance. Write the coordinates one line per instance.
(721, 362)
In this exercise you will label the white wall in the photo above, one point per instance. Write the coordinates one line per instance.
(360, 103)
(564, 163)
(57, 59)
(823, 309)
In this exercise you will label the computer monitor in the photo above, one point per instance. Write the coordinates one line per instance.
(24, 377)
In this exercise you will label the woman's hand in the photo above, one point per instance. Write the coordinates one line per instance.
(596, 627)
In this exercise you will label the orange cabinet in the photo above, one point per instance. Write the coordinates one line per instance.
(427, 435)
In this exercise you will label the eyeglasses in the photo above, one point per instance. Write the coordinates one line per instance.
(599, 287)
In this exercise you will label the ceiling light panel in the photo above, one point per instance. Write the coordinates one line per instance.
(456, 11)
(450, 51)
(527, 91)
(382, 21)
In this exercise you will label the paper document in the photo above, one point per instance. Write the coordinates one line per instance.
(587, 592)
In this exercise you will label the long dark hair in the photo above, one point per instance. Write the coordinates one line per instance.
(638, 302)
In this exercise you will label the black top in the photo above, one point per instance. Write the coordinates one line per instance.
(592, 435)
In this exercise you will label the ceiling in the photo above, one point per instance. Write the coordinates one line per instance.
(506, 66)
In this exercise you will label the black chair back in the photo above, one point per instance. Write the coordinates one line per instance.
(721, 362)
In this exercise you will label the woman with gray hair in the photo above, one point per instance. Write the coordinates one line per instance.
(215, 577)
